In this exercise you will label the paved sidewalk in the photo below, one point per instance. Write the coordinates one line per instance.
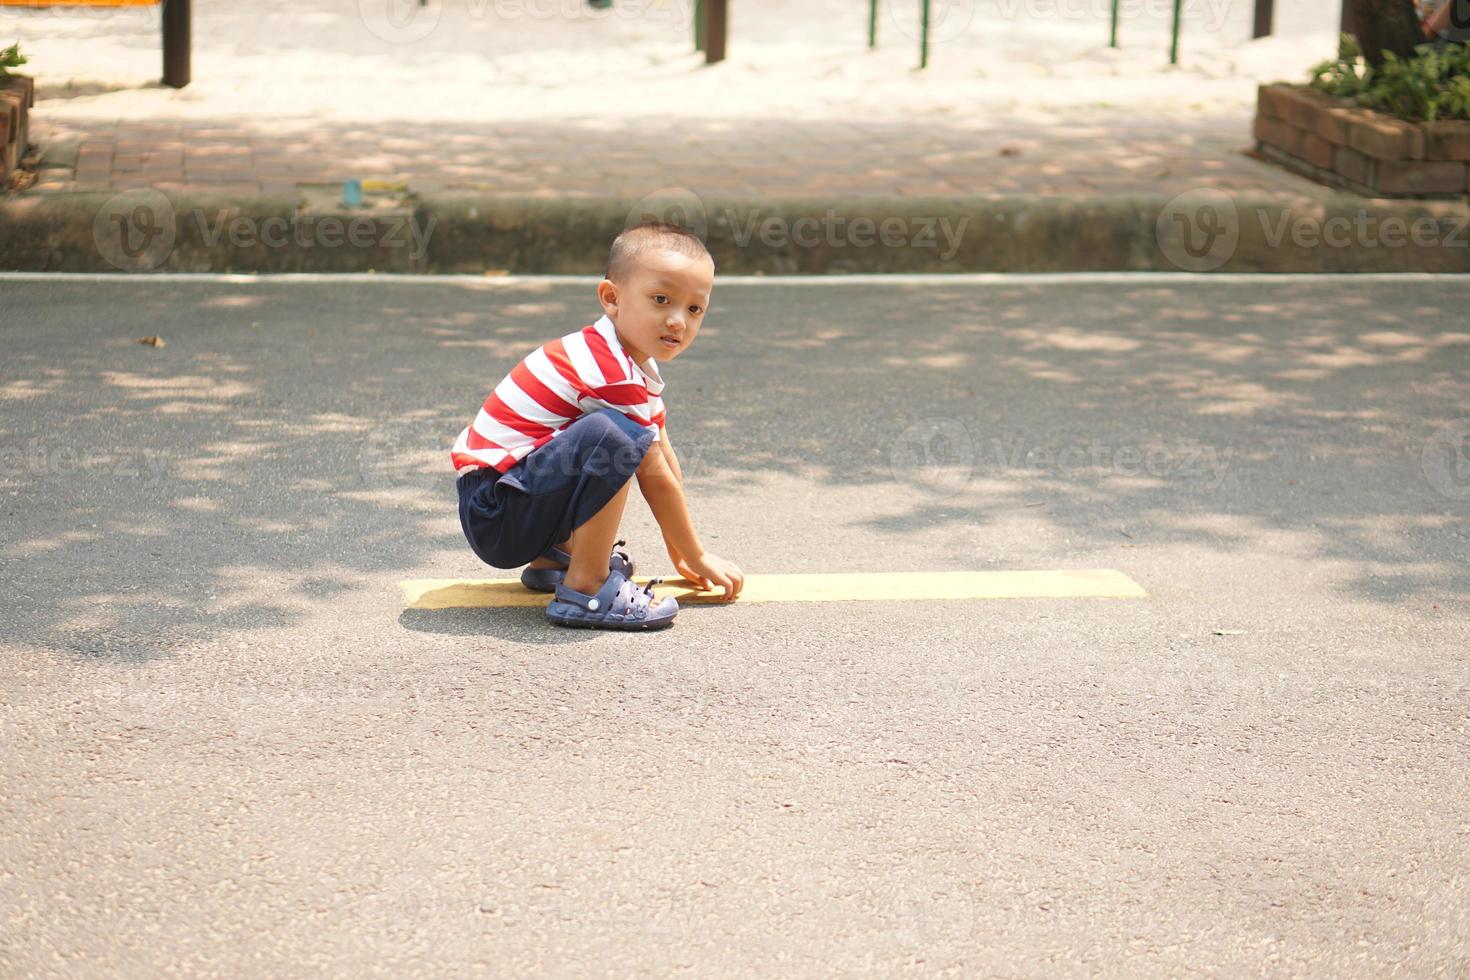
(521, 142)
(553, 99)
(585, 159)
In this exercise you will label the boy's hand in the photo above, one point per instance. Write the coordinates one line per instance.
(682, 567)
(685, 572)
(709, 572)
(714, 571)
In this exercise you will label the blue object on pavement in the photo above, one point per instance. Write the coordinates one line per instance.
(352, 193)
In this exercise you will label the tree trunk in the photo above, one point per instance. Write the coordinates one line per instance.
(1383, 25)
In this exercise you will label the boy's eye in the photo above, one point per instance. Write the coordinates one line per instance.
(696, 310)
(660, 299)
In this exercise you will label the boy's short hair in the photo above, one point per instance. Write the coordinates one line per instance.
(634, 241)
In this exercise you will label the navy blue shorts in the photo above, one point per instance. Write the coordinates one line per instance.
(512, 518)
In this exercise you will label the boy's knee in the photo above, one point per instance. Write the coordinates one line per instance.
(602, 421)
(619, 447)
(629, 458)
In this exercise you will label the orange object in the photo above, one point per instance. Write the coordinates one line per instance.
(79, 3)
(174, 15)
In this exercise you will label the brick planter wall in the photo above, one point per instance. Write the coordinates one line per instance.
(17, 95)
(1336, 142)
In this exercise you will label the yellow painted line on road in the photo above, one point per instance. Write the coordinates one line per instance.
(1088, 583)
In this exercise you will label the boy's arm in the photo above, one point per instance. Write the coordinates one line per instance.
(669, 456)
(672, 458)
(662, 488)
(1439, 20)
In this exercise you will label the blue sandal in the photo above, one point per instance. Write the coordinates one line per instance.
(618, 605)
(547, 579)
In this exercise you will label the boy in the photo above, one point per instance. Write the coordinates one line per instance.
(545, 465)
(1444, 23)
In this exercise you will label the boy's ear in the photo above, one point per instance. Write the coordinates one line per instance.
(607, 295)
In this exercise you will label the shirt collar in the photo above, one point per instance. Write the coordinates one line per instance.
(648, 370)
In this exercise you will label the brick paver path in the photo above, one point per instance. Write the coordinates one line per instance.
(1105, 156)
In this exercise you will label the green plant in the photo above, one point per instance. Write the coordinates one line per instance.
(1433, 84)
(10, 58)
(1345, 76)
(1429, 86)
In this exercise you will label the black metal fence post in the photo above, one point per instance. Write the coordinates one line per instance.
(715, 12)
(177, 59)
(1264, 11)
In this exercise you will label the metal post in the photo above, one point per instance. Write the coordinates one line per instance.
(1345, 22)
(1113, 29)
(715, 17)
(872, 23)
(177, 69)
(698, 25)
(924, 38)
(1174, 40)
(1264, 11)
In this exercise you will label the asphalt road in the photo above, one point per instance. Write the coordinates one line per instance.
(229, 749)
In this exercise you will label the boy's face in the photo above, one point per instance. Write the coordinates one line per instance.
(660, 303)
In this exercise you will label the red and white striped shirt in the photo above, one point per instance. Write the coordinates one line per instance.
(554, 386)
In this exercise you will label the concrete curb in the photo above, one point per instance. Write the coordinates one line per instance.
(147, 230)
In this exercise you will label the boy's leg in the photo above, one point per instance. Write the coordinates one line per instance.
(592, 542)
(616, 445)
(569, 482)
(544, 562)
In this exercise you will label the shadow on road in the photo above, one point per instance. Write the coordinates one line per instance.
(288, 449)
